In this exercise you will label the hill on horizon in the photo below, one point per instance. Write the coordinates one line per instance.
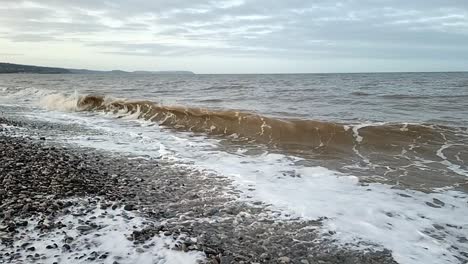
(20, 68)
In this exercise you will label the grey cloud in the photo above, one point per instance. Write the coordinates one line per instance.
(379, 29)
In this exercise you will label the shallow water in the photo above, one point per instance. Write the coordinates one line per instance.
(383, 156)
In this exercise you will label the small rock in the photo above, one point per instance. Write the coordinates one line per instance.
(22, 223)
(226, 260)
(433, 205)
(31, 249)
(24, 245)
(84, 228)
(129, 207)
(438, 202)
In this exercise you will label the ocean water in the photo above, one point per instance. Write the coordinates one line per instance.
(383, 157)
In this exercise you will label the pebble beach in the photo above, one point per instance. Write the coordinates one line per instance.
(64, 204)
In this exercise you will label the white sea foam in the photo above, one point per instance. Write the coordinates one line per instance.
(114, 228)
(60, 102)
(355, 129)
(375, 213)
(451, 166)
(28, 94)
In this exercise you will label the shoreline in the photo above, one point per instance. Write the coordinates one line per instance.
(198, 213)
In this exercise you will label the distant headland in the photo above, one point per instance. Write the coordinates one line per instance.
(19, 68)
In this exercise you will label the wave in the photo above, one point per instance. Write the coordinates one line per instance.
(226, 87)
(358, 93)
(283, 132)
(404, 96)
(211, 101)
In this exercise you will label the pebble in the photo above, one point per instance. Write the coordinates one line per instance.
(129, 207)
(68, 239)
(84, 228)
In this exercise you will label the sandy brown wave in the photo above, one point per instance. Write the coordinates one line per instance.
(290, 132)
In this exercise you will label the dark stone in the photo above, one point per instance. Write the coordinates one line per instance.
(84, 228)
(31, 249)
(24, 245)
(22, 224)
(433, 205)
(438, 202)
(129, 207)
(226, 260)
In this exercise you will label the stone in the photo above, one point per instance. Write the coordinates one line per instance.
(129, 207)
(84, 228)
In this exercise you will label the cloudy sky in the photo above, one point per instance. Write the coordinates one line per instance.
(237, 36)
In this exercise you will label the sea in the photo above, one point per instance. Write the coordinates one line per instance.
(380, 158)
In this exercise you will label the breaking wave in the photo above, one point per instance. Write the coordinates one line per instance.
(318, 135)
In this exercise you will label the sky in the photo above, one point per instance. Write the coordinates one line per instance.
(237, 36)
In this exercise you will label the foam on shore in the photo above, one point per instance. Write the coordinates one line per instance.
(108, 243)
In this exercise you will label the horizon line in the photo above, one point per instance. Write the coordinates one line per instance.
(363, 72)
(241, 73)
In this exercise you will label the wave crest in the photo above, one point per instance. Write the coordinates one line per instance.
(277, 131)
